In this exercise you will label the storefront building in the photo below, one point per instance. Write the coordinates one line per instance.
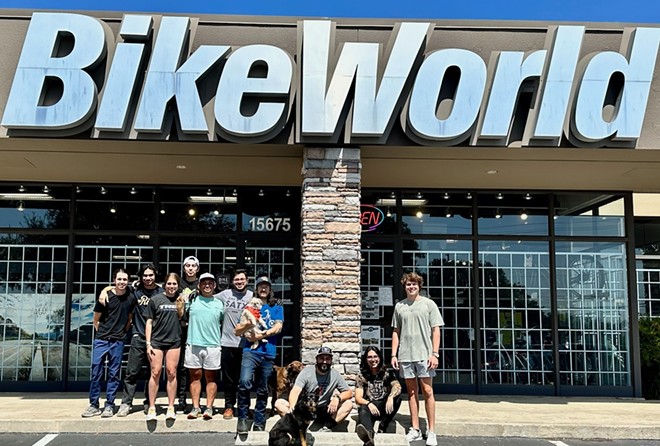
(510, 164)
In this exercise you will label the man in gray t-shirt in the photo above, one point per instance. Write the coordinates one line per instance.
(335, 396)
(415, 351)
(234, 299)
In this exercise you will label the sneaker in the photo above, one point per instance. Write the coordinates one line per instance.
(325, 429)
(124, 410)
(171, 414)
(382, 428)
(208, 413)
(146, 408)
(413, 435)
(258, 428)
(108, 412)
(365, 435)
(431, 439)
(195, 412)
(228, 414)
(180, 407)
(91, 411)
(243, 426)
(151, 414)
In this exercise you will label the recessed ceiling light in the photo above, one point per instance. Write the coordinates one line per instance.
(492, 172)
(180, 166)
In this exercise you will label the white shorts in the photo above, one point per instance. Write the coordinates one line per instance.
(207, 358)
(409, 370)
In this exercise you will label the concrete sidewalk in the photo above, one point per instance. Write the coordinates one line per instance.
(456, 415)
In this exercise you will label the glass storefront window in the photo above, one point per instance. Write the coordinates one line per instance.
(592, 304)
(513, 214)
(32, 308)
(589, 215)
(273, 211)
(34, 207)
(199, 210)
(378, 212)
(114, 208)
(436, 213)
(446, 267)
(516, 313)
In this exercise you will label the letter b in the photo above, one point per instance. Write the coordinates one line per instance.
(39, 62)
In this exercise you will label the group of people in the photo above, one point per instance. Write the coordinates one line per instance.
(190, 314)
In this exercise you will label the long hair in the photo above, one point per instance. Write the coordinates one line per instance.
(364, 364)
(180, 301)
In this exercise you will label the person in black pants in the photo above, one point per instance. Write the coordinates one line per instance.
(138, 365)
(188, 291)
(378, 393)
(235, 300)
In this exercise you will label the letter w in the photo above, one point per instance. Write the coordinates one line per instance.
(374, 105)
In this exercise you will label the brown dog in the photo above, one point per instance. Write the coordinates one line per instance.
(281, 381)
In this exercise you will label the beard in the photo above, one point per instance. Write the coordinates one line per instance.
(323, 367)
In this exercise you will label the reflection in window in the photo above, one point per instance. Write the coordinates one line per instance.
(32, 301)
(589, 215)
(446, 269)
(516, 313)
(592, 304)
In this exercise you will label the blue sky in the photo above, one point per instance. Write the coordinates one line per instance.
(636, 11)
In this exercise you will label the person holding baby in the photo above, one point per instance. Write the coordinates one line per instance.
(203, 350)
(258, 361)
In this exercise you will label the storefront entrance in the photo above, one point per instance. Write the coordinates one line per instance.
(537, 305)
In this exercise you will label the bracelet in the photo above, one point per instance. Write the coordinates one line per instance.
(148, 344)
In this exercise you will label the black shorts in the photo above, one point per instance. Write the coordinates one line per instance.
(166, 345)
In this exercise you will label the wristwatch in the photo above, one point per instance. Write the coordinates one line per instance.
(436, 354)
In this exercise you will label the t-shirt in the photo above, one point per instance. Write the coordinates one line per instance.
(234, 303)
(114, 315)
(187, 289)
(205, 321)
(143, 297)
(270, 315)
(415, 320)
(323, 385)
(165, 326)
(376, 387)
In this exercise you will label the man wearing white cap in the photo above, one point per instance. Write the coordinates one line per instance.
(203, 350)
(190, 268)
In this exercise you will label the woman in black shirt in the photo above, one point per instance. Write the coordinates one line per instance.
(378, 392)
(163, 335)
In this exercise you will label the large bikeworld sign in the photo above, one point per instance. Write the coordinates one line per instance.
(75, 76)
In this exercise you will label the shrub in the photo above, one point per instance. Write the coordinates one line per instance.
(649, 346)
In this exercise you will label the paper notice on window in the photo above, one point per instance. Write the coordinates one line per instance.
(385, 296)
(370, 335)
(370, 308)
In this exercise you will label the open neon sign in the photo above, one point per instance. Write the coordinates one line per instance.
(370, 217)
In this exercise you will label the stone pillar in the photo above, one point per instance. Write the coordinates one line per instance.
(330, 256)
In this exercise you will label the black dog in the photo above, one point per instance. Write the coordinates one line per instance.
(293, 426)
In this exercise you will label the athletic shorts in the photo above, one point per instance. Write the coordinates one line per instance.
(207, 358)
(409, 370)
(164, 346)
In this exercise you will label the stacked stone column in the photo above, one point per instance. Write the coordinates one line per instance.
(330, 256)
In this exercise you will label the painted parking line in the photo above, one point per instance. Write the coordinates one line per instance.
(44, 441)
(558, 443)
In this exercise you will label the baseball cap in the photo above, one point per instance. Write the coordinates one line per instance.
(207, 276)
(191, 259)
(324, 351)
(262, 279)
